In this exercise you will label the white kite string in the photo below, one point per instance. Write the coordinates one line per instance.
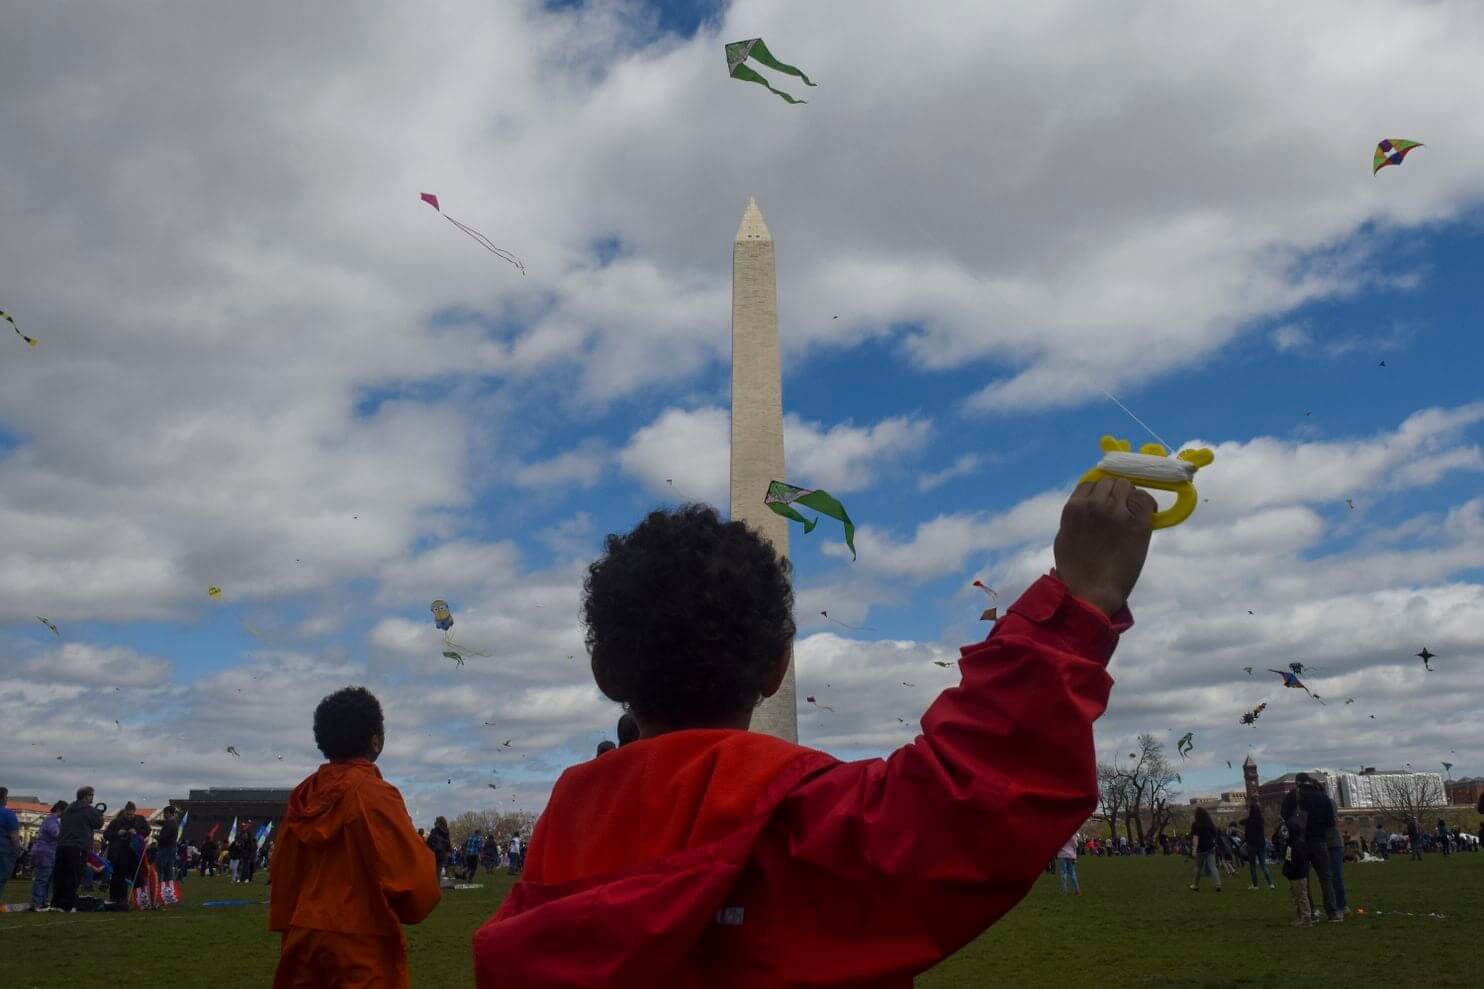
(1136, 418)
(1147, 467)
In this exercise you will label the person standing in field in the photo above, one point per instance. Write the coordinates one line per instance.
(44, 856)
(1414, 840)
(440, 844)
(10, 840)
(1296, 871)
(348, 868)
(759, 862)
(1309, 801)
(473, 845)
(118, 839)
(1203, 848)
(1066, 861)
(1255, 836)
(79, 821)
(167, 854)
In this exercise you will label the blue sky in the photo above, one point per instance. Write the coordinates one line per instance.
(266, 365)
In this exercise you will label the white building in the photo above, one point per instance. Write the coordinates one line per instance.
(1367, 789)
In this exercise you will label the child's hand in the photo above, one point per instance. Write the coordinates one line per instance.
(1104, 537)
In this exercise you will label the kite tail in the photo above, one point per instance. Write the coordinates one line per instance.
(487, 244)
(743, 72)
(825, 504)
(760, 52)
(788, 512)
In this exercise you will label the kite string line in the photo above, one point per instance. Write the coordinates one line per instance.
(1135, 418)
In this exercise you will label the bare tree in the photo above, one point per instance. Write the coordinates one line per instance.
(1113, 796)
(1147, 788)
(1408, 796)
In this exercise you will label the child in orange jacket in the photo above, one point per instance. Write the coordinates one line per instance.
(348, 867)
(708, 855)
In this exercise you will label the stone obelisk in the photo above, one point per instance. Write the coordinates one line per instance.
(757, 420)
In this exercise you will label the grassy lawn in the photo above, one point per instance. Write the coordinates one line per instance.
(1135, 924)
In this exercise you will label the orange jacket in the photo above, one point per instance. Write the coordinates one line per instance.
(348, 859)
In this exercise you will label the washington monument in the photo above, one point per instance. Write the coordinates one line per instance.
(757, 420)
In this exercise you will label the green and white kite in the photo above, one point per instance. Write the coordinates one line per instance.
(738, 52)
(782, 497)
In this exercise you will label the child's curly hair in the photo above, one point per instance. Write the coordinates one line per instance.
(687, 616)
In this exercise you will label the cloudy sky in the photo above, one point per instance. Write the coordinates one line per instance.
(265, 365)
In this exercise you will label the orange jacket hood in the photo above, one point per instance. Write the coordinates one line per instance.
(317, 807)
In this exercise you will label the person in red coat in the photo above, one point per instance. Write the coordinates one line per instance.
(704, 854)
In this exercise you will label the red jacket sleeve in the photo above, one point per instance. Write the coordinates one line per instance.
(931, 845)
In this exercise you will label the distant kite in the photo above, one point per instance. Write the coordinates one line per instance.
(479, 238)
(48, 625)
(232, 749)
(906, 684)
(782, 497)
(738, 52)
(443, 619)
(1248, 669)
(9, 319)
(855, 628)
(1447, 767)
(1186, 744)
(816, 703)
(1250, 718)
(943, 663)
(1426, 658)
(214, 592)
(991, 613)
(1391, 151)
(1299, 668)
(1291, 680)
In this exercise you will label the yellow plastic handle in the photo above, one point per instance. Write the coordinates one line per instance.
(1185, 495)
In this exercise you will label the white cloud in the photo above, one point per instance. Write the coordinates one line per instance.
(965, 465)
(579, 468)
(686, 453)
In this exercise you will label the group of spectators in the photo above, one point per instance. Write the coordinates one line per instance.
(480, 848)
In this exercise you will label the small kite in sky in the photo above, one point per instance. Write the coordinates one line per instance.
(816, 703)
(1186, 743)
(48, 625)
(1299, 668)
(233, 750)
(991, 613)
(279, 758)
(1228, 764)
(942, 662)
(1248, 669)
(738, 52)
(1291, 680)
(1447, 767)
(13, 325)
(1426, 658)
(782, 497)
(1391, 151)
(1250, 718)
(1351, 503)
(493, 786)
(906, 684)
(856, 628)
(117, 725)
(506, 743)
(214, 592)
(479, 238)
(443, 619)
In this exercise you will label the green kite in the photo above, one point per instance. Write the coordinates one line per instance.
(738, 52)
(1391, 151)
(782, 497)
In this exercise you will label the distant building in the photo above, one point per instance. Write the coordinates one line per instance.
(1366, 789)
(1270, 794)
(217, 807)
(1249, 777)
(1465, 792)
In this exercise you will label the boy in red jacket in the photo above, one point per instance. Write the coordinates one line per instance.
(707, 855)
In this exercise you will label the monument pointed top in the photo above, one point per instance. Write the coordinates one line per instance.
(753, 226)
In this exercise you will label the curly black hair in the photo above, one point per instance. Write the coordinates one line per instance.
(346, 721)
(687, 616)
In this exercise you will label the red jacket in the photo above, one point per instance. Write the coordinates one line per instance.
(723, 858)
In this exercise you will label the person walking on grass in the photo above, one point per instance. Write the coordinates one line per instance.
(760, 862)
(1203, 842)
(348, 868)
(439, 844)
(1414, 840)
(473, 845)
(1255, 834)
(1066, 861)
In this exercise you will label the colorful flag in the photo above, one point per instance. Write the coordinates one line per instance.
(232, 835)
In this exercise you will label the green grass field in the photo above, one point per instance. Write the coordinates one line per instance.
(1136, 924)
